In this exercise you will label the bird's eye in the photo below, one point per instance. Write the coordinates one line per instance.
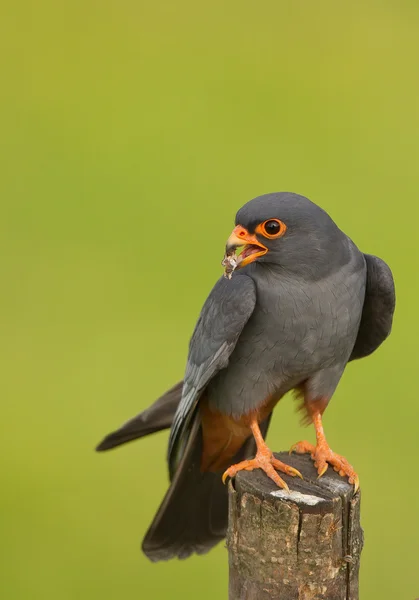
(272, 228)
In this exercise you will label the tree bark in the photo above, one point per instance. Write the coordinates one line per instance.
(305, 545)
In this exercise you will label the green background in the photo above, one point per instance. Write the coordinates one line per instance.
(131, 132)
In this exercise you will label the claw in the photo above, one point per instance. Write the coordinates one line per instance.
(296, 473)
(288, 470)
(293, 447)
(266, 461)
(322, 470)
(323, 456)
(285, 486)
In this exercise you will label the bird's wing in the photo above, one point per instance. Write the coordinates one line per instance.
(223, 316)
(379, 304)
(156, 417)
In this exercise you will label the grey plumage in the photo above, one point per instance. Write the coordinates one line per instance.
(293, 318)
(290, 338)
(378, 308)
(223, 316)
(155, 418)
(193, 516)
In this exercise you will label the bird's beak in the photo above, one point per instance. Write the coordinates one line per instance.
(252, 247)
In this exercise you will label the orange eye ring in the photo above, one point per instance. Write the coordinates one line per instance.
(271, 229)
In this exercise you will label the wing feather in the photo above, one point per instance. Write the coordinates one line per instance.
(378, 310)
(223, 316)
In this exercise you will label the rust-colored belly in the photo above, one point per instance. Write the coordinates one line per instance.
(223, 436)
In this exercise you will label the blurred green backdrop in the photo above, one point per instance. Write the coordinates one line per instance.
(131, 132)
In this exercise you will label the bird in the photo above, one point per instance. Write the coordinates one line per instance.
(297, 302)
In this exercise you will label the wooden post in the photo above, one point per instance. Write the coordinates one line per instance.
(305, 545)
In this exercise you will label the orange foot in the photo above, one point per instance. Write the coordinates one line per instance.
(264, 460)
(322, 455)
(268, 463)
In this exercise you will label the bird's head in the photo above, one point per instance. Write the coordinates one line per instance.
(286, 230)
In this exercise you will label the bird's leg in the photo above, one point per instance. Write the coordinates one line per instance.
(322, 454)
(264, 460)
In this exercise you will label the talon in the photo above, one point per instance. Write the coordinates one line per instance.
(285, 486)
(295, 473)
(280, 466)
(323, 456)
(267, 464)
(264, 460)
(322, 470)
(293, 448)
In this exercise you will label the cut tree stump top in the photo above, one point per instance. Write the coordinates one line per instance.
(304, 545)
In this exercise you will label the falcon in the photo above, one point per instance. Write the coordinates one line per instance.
(298, 302)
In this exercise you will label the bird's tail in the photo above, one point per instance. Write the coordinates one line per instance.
(155, 418)
(194, 513)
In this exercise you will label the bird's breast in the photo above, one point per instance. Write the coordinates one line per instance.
(296, 329)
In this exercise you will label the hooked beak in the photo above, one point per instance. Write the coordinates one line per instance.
(252, 247)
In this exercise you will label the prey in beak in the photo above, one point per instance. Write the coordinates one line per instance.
(251, 249)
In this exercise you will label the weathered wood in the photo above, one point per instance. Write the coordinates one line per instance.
(305, 545)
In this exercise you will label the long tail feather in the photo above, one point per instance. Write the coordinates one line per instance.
(194, 513)
(155, 418)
